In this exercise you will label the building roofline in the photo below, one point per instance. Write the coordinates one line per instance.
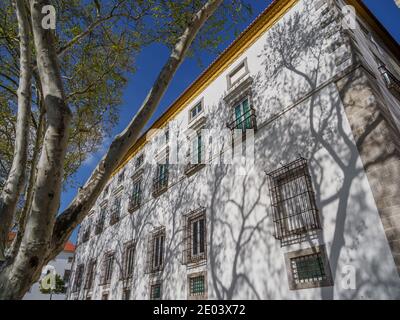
(260, 24)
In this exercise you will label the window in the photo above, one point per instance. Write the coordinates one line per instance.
(121, 177)
(70, 259)
(78, 278)
(86, 232)
(139, 161)
(292, 197)
(308, 268)
(115, 212)
(129, 260)
(197, 286)
(196, 237)
(108, 268)
(136, 196)
(244, 116)
(196, 154)
(91, 272)
(155, 291)
(160, 182)
(196, 110)
(67, 275)
(100, 221)
(155, 259)
(237, 74)
(126, 294)
(166, 133)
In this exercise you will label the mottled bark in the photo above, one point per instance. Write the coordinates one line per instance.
(15, 181)
(18, 275)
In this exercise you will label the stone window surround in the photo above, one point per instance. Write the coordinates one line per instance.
(197, 297)
(328, 282)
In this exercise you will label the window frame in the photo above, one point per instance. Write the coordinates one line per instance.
(90, 274)
(129, 259)
(320, 250)
(239, 66)
(152, 286)
(193, 296)
(195, 106)
(108, 267)
(190, 258)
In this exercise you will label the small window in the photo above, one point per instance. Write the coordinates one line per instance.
(197, 286)
(308, 268)
(100, 221)
(129, 260)
(155, 259)
(196, 110)
(70, 259)
(91, 272)
(67, 275)
(155, 291)
(160, 181)
(237, 74)
(108, 268)
(139, 161)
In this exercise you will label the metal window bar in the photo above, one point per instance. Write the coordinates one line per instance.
(156, 248)
(155, 291)
(293, 200)
(160, 182)
(129, 260)
(136, 196)
(90, 275)
(197, 285)
(309, 268)
(247, 120)
(195, 238)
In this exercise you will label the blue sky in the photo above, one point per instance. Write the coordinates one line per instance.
(151, 59)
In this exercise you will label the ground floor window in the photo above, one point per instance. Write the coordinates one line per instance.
(197, 286)
(308, 268)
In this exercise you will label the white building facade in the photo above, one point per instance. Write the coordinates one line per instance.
(312, 89)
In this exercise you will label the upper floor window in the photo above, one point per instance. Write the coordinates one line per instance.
(108, 268)
(139, 161)
(116, 210)
(155, 258)
(121, 177)
(160, 181)
(196, 155)
(136, 196)
(106, 190)
(87, 229)
(244, 117)
(197, 286)
(155, 291)
(129, 253)
(101, 220)
(196, 110)
(196, 237)
(237, 74)
(292, 197)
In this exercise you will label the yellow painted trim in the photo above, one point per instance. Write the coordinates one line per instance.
(262, 23)
(258, 27)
